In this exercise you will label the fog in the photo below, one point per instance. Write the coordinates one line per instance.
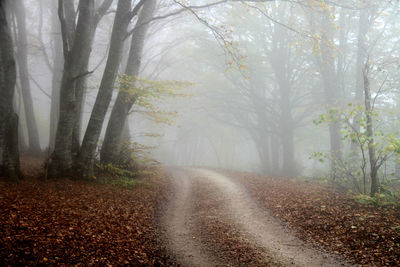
(200, 132)
(262, 86)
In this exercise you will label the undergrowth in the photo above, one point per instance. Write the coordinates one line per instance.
(125, 176)
(379, 200)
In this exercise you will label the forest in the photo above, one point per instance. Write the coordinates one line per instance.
(200, 132)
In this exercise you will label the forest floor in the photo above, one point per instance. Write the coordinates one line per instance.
(191, 217)
(65, 222)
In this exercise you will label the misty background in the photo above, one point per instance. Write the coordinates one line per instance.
(247, 83)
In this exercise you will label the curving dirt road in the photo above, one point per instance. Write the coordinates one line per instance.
(201, 196)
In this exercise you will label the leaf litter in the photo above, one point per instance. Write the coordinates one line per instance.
(326, 216)
(64, 222)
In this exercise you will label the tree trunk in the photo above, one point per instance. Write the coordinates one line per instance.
(125, 101)
(263, 153)
(286, 124)
(58, 63)
(287, 131)
(104, 96)
(275, 155)
(77, 48)
(363, 27)
(370, 134)
(11, 164)
(288, 161)
(22, 61)
(332, 90)
(8, 119)
(22, 144)
(78, 112)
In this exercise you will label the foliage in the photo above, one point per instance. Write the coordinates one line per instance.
(146, 93)
(123, 181)
(148, 97)
(379, 200)
(134, 154)
(354, 165)
(133, 163)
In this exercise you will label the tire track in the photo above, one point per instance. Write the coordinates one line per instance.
(262, 230)
(179, 224)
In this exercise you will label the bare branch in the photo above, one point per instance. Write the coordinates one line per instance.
(102, 10)
(280, 23)
(39, 87)
(136, 9)
(40, 38)
(82, 75)
(185, 8)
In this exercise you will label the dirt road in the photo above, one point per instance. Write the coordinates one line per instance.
(248, 235)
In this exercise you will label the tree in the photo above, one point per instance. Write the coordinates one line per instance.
(77, 45)
(57, 69)
(22, 62)
(9, 155)
(374, 165)
(123, 16)
(364, 24)
(330, 65)
(267, 95)
(125, 100)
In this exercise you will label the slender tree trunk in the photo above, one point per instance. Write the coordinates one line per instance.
(9, 154)
(275, 155)
(286, 124)
(370, 134)
(325, 60)
(363, 28)
(18, 106)
(125, 101)
(288, 161)
(22, 61)
(104, 96)
(263, 149)
(287, 131)
(263, 146)
(57, 76)
(332, 90)
(279, 57)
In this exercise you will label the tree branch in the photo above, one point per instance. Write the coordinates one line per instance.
(82, 75)
(102, 10)
(136, 9)
(40, 38)
(64, 29)
(39, 87)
